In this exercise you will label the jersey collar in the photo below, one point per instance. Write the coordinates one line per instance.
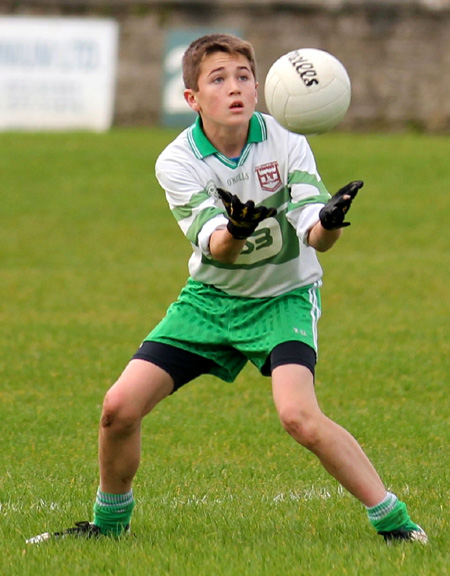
(202, 147)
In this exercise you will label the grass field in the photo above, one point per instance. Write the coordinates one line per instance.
(90, 258)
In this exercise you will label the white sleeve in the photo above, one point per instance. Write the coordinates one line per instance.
(189, 191)
(308, 192)
(217, 223)
(303, 219)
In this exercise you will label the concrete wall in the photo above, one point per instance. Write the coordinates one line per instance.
(397, 52)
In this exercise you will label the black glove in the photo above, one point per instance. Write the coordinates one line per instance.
(243, 218)
(333, 213)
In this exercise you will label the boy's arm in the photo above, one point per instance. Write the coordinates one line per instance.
(223, 247)
(321, 239)
(323, 235)
(226, 244)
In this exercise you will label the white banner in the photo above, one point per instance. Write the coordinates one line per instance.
(57, 73)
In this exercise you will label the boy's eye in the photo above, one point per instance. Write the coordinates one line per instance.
(218, 79)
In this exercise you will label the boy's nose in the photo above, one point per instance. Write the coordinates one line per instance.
(234, 87)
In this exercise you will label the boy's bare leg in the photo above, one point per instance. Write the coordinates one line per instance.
(140, 387)
(337, 450)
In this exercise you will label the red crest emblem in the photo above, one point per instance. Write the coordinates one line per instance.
(269, 176)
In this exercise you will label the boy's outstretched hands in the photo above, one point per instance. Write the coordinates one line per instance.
(243, 218)
(333, 213)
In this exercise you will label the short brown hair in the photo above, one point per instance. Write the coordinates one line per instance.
(209, 44)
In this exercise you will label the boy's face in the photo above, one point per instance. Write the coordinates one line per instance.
(226, 93)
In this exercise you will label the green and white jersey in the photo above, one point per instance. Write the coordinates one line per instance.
(277, 169)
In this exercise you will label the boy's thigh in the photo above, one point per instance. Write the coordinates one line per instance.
(139, 388)
(182, 365)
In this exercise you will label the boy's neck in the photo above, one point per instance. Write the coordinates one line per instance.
(230, 141)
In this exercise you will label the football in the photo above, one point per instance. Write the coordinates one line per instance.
(307, 91)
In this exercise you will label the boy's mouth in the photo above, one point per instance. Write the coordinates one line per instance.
(237, 104)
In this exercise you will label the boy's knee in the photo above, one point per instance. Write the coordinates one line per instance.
(303, 427)
(118, 415)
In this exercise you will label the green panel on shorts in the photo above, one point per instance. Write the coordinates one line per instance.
(231, 330)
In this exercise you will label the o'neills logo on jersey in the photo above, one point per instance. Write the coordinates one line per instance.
(269, 176)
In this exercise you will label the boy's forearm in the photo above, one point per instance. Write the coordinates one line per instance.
(224, 248)
(321, 239)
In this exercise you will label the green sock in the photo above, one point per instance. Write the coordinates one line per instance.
(112, 512)
(390, 514)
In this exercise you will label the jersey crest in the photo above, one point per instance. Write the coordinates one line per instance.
(269, 176)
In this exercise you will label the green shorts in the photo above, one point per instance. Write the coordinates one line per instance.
(230, 330)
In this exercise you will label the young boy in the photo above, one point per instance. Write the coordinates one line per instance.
(247, 195)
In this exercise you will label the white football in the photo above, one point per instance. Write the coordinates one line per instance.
(308, 91)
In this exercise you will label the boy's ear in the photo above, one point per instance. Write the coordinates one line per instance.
(189, 96)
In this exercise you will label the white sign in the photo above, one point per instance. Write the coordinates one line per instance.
(57, 73)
